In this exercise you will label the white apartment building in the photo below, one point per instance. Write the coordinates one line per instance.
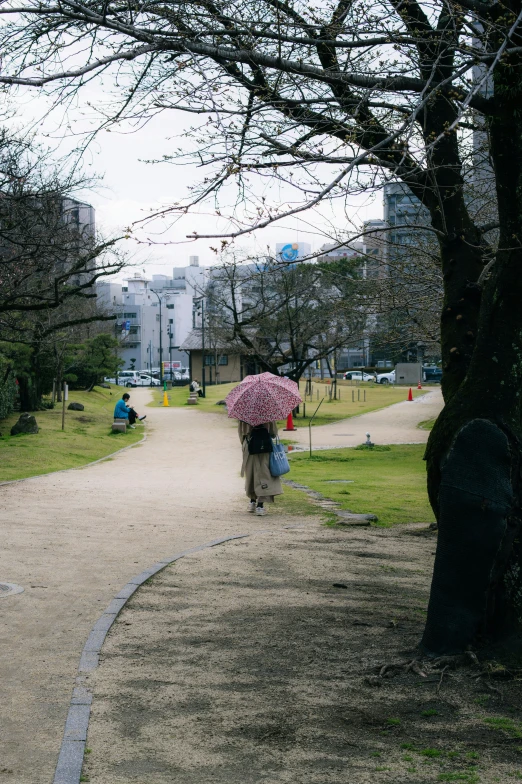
(153, 316)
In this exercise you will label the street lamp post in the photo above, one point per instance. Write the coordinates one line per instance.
(161, 338)
(170, 352)
(203, 343)
(201, 304)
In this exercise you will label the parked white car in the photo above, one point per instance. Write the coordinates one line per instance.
(358, 375)
(386, 378)
(125, 377)
(145, 380)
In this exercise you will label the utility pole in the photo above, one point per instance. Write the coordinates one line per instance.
(170, 350)
(161, 338)
(203, 343)
(201, 304)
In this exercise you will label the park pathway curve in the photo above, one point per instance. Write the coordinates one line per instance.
(73, 539)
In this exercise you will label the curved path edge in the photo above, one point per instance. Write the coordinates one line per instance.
(76, 468)
(70, 758)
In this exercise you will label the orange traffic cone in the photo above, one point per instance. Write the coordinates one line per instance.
(410, 395)
(289, 423)
(419, 385)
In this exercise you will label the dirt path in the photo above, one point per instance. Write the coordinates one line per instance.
(396, 424)
(73, 539)
(259, 661)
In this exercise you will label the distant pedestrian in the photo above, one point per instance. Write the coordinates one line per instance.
(194, 387)
(260, 486)
(123, 411)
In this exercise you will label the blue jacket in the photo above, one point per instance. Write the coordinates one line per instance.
(121, 411)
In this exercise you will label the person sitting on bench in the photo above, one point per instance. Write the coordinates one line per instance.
(124, 411)
(194, 387)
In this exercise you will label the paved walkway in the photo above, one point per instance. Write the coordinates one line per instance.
(396, 424)
(73, 539)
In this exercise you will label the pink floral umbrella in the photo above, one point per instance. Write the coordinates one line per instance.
(262, 398)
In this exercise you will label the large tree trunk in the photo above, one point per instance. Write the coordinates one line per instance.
(474, 455)
(29, 397)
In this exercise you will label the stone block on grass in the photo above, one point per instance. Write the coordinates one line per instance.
(26, 424)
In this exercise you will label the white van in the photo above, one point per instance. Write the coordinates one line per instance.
(129, 378)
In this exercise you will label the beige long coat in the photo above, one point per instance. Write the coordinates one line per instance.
(259, 482)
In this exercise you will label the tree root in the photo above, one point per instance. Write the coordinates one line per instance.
(410, 665)
(494, 689)
(426, 666)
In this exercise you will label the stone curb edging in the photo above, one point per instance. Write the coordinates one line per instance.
(76, 468)
(70, 759)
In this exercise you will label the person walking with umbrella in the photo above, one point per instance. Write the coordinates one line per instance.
(258, 402)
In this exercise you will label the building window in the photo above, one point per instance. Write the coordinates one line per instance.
(133, 330)
(170, 307)
(210, 359)
(130, 315)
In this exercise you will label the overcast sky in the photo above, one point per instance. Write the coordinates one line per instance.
(130, 189)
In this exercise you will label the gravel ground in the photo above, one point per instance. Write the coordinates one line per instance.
(259, 661)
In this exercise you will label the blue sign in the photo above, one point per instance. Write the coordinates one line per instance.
(290, 252)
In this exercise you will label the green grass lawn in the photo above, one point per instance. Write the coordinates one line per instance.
(390, 483)
(377, 396)
(87, 437)
(427, 424)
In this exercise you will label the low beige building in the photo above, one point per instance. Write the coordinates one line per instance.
(223, 364)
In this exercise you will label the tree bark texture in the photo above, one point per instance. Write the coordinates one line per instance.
(474, 451)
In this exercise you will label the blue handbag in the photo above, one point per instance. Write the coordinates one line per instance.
(278, 460)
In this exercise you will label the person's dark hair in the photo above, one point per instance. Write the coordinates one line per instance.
(125, 396)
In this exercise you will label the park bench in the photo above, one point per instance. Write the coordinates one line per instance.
(119, 425)
(193, 399)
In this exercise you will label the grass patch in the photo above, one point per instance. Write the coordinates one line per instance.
(293, 502)
(467, 776)
(390, 484)
(511, 727)
(427, 424)
(87, 437)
